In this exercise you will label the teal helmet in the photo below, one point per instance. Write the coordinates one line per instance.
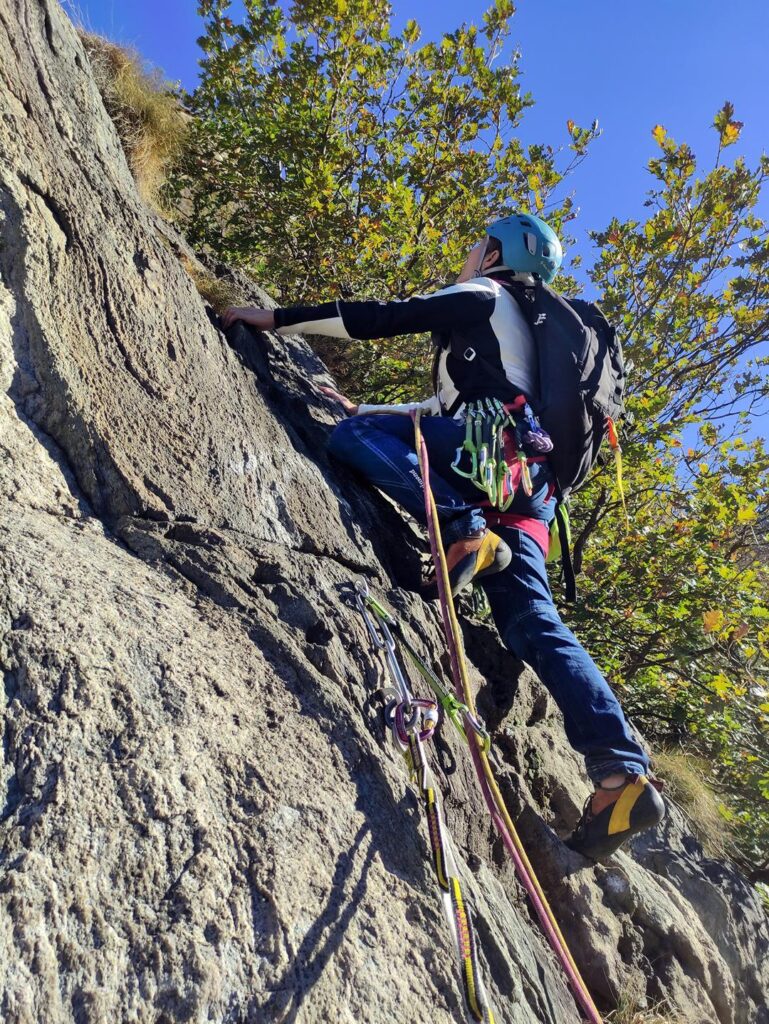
(529, 246)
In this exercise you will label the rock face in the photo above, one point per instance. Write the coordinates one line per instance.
(200, 819)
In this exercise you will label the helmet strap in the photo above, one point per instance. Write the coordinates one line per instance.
(479, 271)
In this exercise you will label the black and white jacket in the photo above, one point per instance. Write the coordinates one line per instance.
(484, 346)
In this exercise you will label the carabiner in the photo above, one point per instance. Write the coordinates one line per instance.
(466, 446)
(528, 487)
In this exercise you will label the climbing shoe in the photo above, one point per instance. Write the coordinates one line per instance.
(469, 559)
(611, 816)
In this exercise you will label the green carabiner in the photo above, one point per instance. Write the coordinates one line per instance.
(466, 446)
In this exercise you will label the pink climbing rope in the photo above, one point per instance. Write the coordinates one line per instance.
(491, 794)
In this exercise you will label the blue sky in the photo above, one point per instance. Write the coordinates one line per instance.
(630, 65)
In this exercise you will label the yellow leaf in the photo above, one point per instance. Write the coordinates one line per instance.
(731, 133)
(570, 126)
(659, 134)
(746, 514)
(712, 620)
(721, 684)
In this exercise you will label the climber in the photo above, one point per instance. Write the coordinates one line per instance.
(479, 318)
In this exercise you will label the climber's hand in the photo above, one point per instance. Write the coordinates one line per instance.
(349, 407)
(261, 319)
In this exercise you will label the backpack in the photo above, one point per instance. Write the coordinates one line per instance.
(581, 385)
(579, 394)
(581, 378)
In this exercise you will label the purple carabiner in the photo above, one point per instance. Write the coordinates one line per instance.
(403, 725)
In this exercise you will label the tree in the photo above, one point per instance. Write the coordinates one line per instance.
(331, 156)
(675, 607)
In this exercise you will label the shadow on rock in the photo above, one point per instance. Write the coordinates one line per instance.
(325, 935)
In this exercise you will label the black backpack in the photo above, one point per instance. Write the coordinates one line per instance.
(581, 387)
(581, 378)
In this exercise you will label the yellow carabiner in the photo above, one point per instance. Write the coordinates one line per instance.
(528, 487)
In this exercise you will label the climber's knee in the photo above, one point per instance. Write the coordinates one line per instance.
(344, 441)
(525, 633)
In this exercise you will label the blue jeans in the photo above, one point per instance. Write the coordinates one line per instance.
(381, 447)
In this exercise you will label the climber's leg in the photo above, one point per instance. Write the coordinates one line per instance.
(381, 448)
(625, 801)
(530, 626)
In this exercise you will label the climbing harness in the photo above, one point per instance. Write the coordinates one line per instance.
(412, 722)
(484, 457)
(488, 785)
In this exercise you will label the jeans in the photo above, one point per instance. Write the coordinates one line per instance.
(530, 626)
(381, 447)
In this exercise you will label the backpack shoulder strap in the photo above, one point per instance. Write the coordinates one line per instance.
(569, 578)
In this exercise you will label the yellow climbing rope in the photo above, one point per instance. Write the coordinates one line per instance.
(492, 795)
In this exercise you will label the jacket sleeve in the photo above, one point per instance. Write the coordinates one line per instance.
(430, 405)
(460, 305)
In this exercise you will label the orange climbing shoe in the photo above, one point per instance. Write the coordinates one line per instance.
(470, 559)
(611, 816)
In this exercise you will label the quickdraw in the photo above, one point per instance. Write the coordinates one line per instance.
(488, 785)
(486, 422)
(412, 721)
(454, 709)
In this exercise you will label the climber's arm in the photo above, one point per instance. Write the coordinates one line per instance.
(429, 405)
(460, 305)
(261, 319)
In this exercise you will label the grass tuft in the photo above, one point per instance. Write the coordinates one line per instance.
(150, 122)
(217, 293)
(686, 781)
(628, 1011)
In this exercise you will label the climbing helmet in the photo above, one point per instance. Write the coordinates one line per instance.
(529, 245)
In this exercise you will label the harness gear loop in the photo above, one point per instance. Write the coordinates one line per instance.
(489, 788)
(486, 422)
